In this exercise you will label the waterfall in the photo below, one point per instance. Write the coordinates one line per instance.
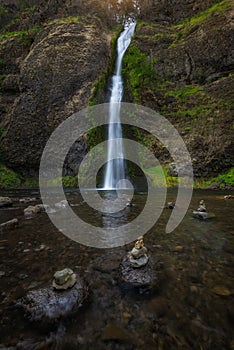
(115, 168)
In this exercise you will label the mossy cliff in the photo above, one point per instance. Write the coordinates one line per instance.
(46, 83)
(185, 72)
(56, 58)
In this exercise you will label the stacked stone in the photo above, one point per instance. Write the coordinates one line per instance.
(138, 255)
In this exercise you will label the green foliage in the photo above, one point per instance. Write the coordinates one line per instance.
(26, 37)
(8, 178)
(187, 24)
(67, 181)
(3, 10)
(139, 71)
(31, 183)
(100, 85)
(187, 90)
(222, 180)
(160, 177)
(65, 20)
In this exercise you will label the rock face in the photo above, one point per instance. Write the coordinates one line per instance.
(187, 43)
(55, 80)
(193, 61)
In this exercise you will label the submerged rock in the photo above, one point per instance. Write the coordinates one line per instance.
(5, 202)
(31, 211)
(202, 215)
(9, 225)
(49, 304)
(62, 204)
(27, 199)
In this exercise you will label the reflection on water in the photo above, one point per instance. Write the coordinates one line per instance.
(192, 308)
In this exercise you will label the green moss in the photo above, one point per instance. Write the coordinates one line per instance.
(30, 183)
(138, 70)
(222, 180)
(69, 19)
(8, 178)
(25, 37)
(187, 90)
(159, 176)
(186, 26)
(100, 86)
(67, 181)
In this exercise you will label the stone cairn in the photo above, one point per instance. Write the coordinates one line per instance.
(136, 268)
(138, 255)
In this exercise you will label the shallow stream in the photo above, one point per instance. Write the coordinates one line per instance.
(192, 307)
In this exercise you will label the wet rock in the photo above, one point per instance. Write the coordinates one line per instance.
(228, 196)
(202, 215)
(113, 332)
(157, 306)
(139, 262)
(26, 250)
(64, 279)
(5, 202)
(137, 256)
(177, 248)
(170, 205)
(45, 208)
(144, 276)
(9, 225)
(2, 273)
(62, 204)
(27, 200)
(42, 247)
(31, 211)
(49, 305)
(221, 291)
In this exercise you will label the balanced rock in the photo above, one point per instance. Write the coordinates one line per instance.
(135, 268)
(201, 212)
(64, 279)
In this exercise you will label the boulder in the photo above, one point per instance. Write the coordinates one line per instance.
(5, 202)
(48, 305)
(9, 225)
(143, 277)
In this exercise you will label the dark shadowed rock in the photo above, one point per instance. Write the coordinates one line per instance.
(55, 81)
(49, 305)
(5, 202)
(9, 225)
(144, 276)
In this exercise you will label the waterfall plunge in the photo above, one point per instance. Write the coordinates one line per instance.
(115, 168)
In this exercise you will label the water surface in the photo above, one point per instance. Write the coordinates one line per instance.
(192, 307)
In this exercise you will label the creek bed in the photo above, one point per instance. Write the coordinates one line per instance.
(192, 308)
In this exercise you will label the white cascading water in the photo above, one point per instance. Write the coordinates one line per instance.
(115, 169)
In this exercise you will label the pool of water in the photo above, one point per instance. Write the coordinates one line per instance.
(192, 307)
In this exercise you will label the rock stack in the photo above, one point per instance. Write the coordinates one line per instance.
(138, 255)
(201, 212)
(136, 268)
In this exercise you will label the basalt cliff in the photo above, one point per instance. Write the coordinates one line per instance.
(56, 58)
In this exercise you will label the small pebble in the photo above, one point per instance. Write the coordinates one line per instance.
(177, 248)
(26, 250)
